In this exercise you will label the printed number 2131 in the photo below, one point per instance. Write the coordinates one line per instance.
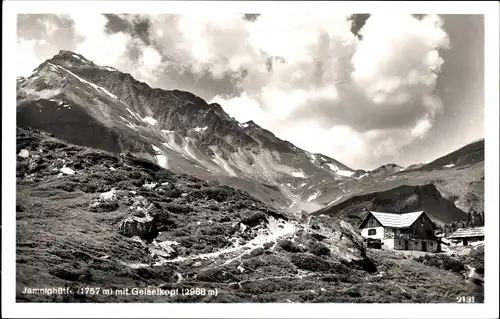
(465, 299)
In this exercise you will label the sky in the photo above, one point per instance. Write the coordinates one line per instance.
(367, 90)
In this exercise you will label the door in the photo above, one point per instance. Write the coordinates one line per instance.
(406, 245)
(424, 246)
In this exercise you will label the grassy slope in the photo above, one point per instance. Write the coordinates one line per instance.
(60, 242)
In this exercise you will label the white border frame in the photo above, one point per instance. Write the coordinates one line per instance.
(487, 310)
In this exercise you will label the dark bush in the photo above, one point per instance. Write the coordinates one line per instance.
(254, 219)
(365, 264)
(319, 249)
(66, 273)
(67, 186)
(177, 209)
(442, 262)
(219, 194)
(97, 157)
(354, 292)
(289, 246)
(310, 262)
(88, 187)
(145, 164)
(268, 245)
(138, 182)
(52, 145)
(254, 253)
(163, 176)
(215, 275)
(172, 193)
(104, 207)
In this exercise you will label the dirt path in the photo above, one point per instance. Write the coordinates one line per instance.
(276, 230)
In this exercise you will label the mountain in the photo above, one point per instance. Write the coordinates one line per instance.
(101, 107)
(131, 231)
(447, 188)
(466, 156)
(399, 200)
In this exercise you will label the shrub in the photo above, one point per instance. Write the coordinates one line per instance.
(319, 249)
(254, 219)
(289, 246)
(215, 275)
(102, 207)
(177, 209)
(67, 186)
(442, 262)
(268, 245)
(310, 262)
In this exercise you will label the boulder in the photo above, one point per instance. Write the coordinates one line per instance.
(108, 196)
(149, 186)
(67, 170)
(24, 153)
(162, 253)
(243, 227)
(144, 227)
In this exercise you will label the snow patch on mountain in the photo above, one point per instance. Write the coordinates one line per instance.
(132, 113)
(298, 174)
(313, 196)
(128, 123)
(449, 165)
(225, 165)
(362, 176)
(96, 87)
(79, 58)
(338, 171)
(160, 157)
(149, 120)
(335, 200)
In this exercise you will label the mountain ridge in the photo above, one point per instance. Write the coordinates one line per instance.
(135, 117)
(102, 107)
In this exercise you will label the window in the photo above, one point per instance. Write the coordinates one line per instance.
(372, 232)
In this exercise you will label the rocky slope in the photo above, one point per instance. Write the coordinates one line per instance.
(90, 218)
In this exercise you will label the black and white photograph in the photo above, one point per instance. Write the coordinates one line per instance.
(191, 153)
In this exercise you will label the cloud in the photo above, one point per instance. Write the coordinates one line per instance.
(357, 98)
(42, 36)
(358, 101)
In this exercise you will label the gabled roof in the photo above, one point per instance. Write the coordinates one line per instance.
(468, 232)
(395, 220)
